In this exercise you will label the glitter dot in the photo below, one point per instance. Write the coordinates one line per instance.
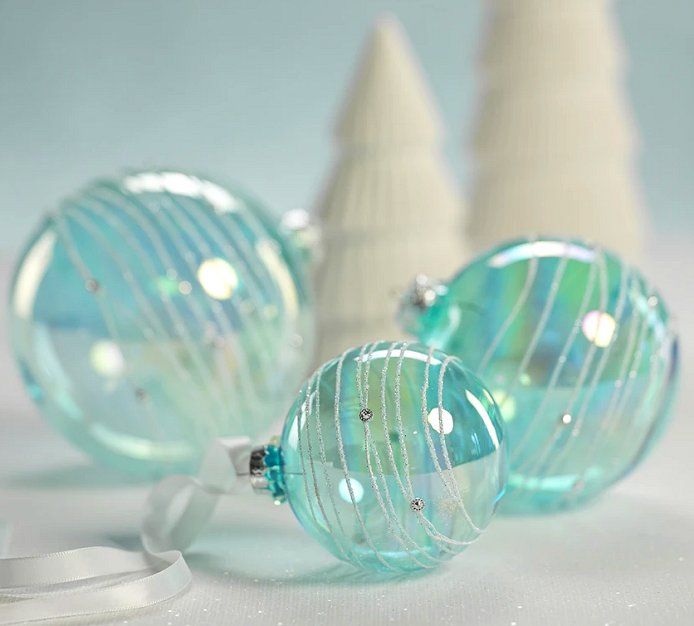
(91, 285)
(417, 504)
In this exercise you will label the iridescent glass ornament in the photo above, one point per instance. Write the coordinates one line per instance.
(393, 457)
(577, 349)
(153, 312)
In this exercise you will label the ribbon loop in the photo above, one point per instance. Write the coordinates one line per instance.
(55, 586)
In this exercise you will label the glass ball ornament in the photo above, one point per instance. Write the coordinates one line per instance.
(392, 457)
(153, 312)
(578, 351)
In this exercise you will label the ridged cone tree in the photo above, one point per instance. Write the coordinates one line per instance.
(390, 209)
(554, 143)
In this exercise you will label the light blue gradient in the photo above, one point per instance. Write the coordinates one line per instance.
(248, 91)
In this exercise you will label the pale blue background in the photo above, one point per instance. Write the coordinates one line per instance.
(248, 91)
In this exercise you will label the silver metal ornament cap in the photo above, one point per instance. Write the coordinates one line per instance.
(304, 233)
(265, 471)
(424, 291)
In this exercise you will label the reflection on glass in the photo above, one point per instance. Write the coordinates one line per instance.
(542, 249)
(445, 420)
(31, 273)
(506, 404)
(599, 328)
(479, 407)
(218, 278)
(177, 183)
(357, 490)
(107, 359)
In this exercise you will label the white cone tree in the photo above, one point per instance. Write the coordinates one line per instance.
(390, 209)
(554, 143)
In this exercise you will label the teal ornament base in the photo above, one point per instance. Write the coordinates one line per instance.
(393, 457)
(154, 312)
(578, 351)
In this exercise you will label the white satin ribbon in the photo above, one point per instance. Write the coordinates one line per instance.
(97, 580)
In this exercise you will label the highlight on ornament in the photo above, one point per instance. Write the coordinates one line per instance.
(392, 456)
(578, 350)
(155, 311)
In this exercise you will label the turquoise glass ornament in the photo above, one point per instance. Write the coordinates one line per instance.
(577, 349)
(392, 457)
(153, 312)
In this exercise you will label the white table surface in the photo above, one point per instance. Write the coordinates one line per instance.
(627, 559)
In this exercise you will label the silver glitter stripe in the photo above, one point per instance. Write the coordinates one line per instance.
(384, 417)
(362, 383)
(300, 426)
(82, 219)
(343, 460)
(107, 312)
(440, 539)
(663, 388)
(432, 450)
(559, 365)
(649, 385)
(197, 227)
(626, 389)
(195, 217)
(636, 327)
(395, 527)
(435, 534)
(150, 229)
(625, 273)
(620, 412)
(308, 412)
(560, 428)
(85, 213)
(386, 503)
(597, 373)
(326, 474)
(520, 302)
(406, 487)
(250, 392)
(360, 360)
(602, 308)
(539, 329)
(444, 445)
(616, 404)
(96, 207)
